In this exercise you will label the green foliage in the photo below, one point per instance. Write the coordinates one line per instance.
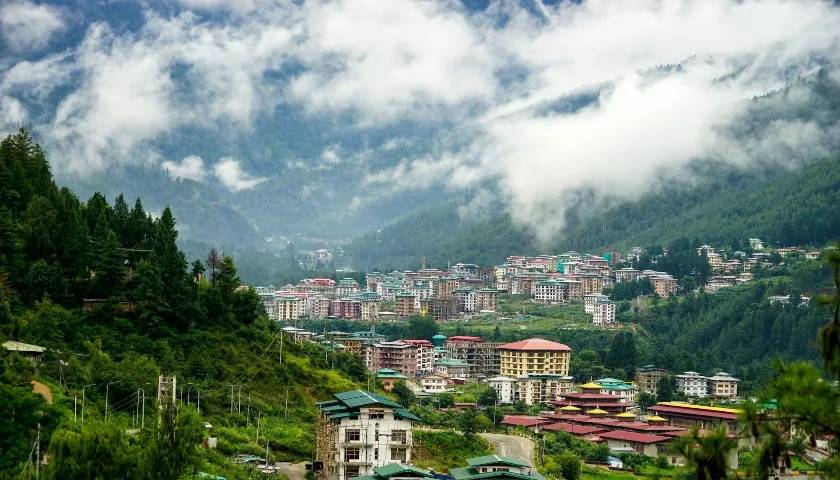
(706, 453)
(666, 389)
(404, 395)
(422, 327)
(442, 450)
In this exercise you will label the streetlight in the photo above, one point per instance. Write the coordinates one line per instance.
(107, 387)
(83, 401)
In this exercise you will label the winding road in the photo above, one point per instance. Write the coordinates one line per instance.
(513, 446)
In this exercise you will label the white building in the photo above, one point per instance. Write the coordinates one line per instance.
(603, 313)
(723, 385)
(692, 384)
(358, 431)
(505, 388)
(436, 382)
(590, 299)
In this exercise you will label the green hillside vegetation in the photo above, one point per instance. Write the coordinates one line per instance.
(148, 313)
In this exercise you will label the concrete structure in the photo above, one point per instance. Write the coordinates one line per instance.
(436, 382)
(388, 378)
(425, 355)
(399, 356)
(642, 443)
(603, 313)
(482, 356)
(692, 384)
(723, 385)
(664, 285)
(452, 368)
(486, 299)
(396, 471)
(289, 308)
(494, 467)
(358, 431)
(505, 387)
(648, 377)
(543, 388)
(591, 299)
(625, 391)
(404, 304)
(703, 417)
(626, 275)
(534, 356)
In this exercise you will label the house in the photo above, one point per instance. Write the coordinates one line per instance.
(626, 275)
(396, 471)
(693, 385)
(505, 387)
(486, 300)
(495, 467)
(723, 385)
(425, 355)
(646, 444)
(31, 352)
(453, 368)
(603, 313)
(436, 382)
(358, 431)
(664, 285)
(388, 378)
(398, 355)
(625, 391)
(648, 377)
(534, 356)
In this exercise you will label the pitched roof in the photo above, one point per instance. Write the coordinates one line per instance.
(393, 469)
(14, 346)
(679, 408)
(633, 436)
(496, 460)
(347, 404)
(523, 420)
(536, 344)
(573, 429)
(470, 473)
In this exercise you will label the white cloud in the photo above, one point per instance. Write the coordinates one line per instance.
(331, 155)
(230, 174)
(26, 26)
(189, 168)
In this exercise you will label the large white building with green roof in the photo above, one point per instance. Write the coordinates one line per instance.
(358, 431)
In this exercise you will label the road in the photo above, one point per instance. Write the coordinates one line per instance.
(292, 471)
(513, 446)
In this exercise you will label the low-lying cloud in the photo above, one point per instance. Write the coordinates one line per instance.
(26, 26)
(230, 174)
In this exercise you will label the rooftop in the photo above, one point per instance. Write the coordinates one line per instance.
(536, 344)
(633, 437)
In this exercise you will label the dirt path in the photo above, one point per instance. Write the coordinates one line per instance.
(43, 390)
(292, 471)
(513, 446)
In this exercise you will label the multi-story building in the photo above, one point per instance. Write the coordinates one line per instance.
(505, 387)
(692, 384)
(486, 299)
(397, 355)
(346, 308)
(317, 307)
(648, 377)
(482, 356)
(591, 299)
(358, 431)
(369, 309)
(404, 303)
(435, 382)
(664, 285)
(723, 385)
(534, 356)
(346, 287)
(603, 313)
(465, 300)
(543, 388)
(452, 368)
(289, 308)
(625, 391)
(441, 308)
(425, 355)
(551, 291)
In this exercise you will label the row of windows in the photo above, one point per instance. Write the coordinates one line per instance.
(398, 454)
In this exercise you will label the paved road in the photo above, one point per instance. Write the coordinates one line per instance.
(512, 446)
(292, 471)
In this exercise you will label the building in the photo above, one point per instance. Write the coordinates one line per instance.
(603, 313)
(534, 356)
(396, 471)
(346, 287)
(399, 356)
(625, 391)
(317, 307)
(723, 385)
(575, 402)
(359, 431)
(692, 384)
(436, 382)
(494, 467)
(369, 309)
(664, 285)
(441, 308)
(686, 415)
(31, 352)
(539, 389)
(465, 300)
(551, 291)
(646, 444)
(648, 377)
(505, 387)
(482, 356)
(289, 308)
(425, 355)
(388, 378)
(452, 368)
(591, 299)
(486, 300)
(404, 303)
(626, 275)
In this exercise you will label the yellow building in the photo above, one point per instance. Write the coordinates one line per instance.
(534, 356)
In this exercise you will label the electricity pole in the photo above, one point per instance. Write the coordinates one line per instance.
(107, 387)
(83, 401)
(38, 451)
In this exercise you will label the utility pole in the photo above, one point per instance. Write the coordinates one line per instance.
(38, 451)
(75, 401)
(259, 414)
(239, 400)
(231, 398)
(107, 387)
(199, 401)
(286, 408)
(143, 418)
(83, 401)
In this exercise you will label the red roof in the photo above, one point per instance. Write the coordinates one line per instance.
(464, 338)
(633, 437)
(573, 429)
(536, 344)
(424, 343)
(523, 420)
(693, 412)
(590, 396)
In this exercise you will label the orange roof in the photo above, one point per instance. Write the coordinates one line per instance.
(536, 344)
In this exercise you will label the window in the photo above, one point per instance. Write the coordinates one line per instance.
(351, 471)
(398, 454)
(351, 454)
(398, 436)
(376, 415)
(352, 435)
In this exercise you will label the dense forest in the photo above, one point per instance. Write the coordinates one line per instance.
(147, 312)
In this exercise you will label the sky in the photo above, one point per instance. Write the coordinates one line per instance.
(666, 79)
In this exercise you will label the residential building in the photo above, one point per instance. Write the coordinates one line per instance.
(452, 368)
(33, 353)
(648, 377)
(591, 299)
(482, 356)
(317, 307)
(505, 387)
(723, 385)
(692, 384)
(358, 431)
(534, 356)
(647, 444)
(441, 308)
(603, 313)
(551, 291)
(369, 309)
(436, 382)
(465, 300)
(388, 378)
(425, 355)
(399, 356)
(664, 285)
(289, 308)
(539, 389)
(486, 300)
(625, 391)
(396, 471)
(626, 275)
(494, 467)
(404, 303)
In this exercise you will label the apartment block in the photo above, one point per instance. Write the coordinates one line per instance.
(534, 356)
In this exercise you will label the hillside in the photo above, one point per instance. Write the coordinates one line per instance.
(780, 206)
(144, 315)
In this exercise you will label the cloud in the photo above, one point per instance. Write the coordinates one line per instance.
(229, 172)
(331, 155)
(26, 26)
(189, 168)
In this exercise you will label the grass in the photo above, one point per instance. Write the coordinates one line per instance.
(442, 450)
(595, 473)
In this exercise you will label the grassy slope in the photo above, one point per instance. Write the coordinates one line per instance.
(442, 450)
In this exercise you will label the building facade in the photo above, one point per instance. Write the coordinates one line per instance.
(534, 356)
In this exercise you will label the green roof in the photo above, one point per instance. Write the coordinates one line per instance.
(347, 404)
(388, 373)
(451, 362)
(470, 473)
(395, 469)
(496, 460)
